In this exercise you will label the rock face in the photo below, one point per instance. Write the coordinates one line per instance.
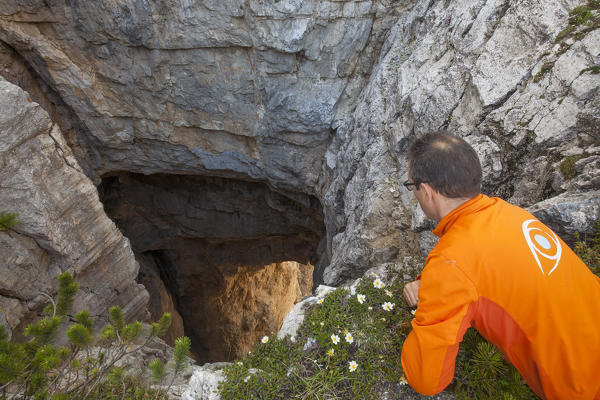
(236, 89)
(570, 213)
(513, 78)
(214, 87)
(62, 226)
(315, 101)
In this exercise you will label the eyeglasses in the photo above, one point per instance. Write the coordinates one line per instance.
(407, 184)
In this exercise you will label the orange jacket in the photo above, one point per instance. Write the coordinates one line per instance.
(502, 271)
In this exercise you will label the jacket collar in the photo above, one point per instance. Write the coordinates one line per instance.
(470, 206)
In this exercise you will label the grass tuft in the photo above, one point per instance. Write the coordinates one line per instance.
(595, 69)
(567, 166)
(589, 250)
(547, 67)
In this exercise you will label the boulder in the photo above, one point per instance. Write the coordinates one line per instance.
(569, 214)
(204, 382)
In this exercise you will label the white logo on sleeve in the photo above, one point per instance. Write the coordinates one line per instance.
(544, 245)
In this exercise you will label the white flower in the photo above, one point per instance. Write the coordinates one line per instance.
(335, 339)
(378, 283)
(361, 298)
(240, 363)
(265, 339)
(352, 365)
(387, 306)
(413, 312)
(387, 292)
(370, 308)
(349, 337)
(320, 301)
(330, 352)
(353, 290)
(321, 323)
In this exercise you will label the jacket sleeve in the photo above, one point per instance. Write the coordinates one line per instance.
(447, 299)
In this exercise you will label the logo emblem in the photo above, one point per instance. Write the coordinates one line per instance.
(544, 245)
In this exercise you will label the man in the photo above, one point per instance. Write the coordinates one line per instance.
(499, 269)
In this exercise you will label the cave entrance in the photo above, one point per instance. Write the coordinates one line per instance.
(228, 258)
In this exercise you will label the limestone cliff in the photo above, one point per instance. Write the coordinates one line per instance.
(513, 78)
(210, 87)
(308, 106)
(62, 225)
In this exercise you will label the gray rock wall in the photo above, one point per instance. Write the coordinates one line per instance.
(507, 77)
(62, 225)
(228, 88)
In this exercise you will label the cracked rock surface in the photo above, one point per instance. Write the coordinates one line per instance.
(62, 225)
(501, 74)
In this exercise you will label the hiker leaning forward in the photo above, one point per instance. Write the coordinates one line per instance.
(498, 269)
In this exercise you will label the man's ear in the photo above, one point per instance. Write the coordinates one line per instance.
(428, 190)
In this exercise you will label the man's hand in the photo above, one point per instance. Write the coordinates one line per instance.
(411, 293)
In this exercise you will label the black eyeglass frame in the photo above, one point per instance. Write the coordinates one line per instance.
(407, 184)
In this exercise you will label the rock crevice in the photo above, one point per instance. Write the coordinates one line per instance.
(235, 253)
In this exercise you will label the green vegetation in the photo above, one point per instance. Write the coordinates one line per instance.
(547, 67)
(567, 166)
(581, 15)
(7, 220)
(595, 69)
(582, 20)
(589, 251)
(346, 349)
(585, 14)
(87, 367)
(352, 347)
(482, 372)
(178, 363)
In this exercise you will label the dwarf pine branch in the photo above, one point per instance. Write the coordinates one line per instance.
(87, 367)
(178, 362)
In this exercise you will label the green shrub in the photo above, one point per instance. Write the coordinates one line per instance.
(483, 373)
(7, 220)
(86, 368)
